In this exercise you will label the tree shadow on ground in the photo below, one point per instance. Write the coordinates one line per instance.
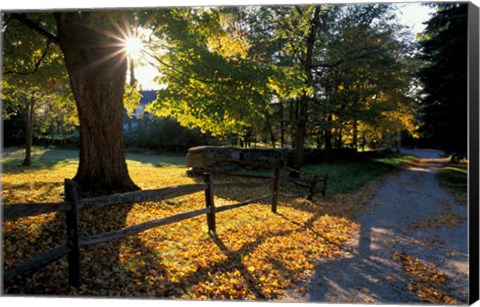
(369, 273)
(129, 267)
(49, 157)
(106, 272)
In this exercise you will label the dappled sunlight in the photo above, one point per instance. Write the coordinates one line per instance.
(19, 152)
(254, 255)
(420, 169)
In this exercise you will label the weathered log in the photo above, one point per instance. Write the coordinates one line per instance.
(71, 195)
(298, 182)
(293, 195)
(140, 196)
(216, 171)
(325, 180)
(32, 265)
(243, 184)
(210, 203)
(244, 203)
(275, 186)
(247, 163)
(313, 185)
(15, 211)
(133, 230)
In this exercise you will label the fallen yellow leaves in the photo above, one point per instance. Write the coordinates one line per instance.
(426, 281)
(255, 255)
(446, 218)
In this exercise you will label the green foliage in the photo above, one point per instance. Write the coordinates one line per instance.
(211, 82)
(35, 84)
(25, 52)
(367, 79)
(131, 99)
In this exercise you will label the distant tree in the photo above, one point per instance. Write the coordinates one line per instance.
(369, 95)
(33, 74)
(25, 102)
(57, 117)
(444, 77)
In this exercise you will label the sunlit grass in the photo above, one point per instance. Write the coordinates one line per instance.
(350, 177)
(454, 179)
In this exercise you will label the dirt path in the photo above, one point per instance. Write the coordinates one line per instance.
(368, 273)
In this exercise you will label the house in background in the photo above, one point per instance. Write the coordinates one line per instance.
(139, 113)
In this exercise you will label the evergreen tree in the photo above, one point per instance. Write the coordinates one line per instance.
(444, 46)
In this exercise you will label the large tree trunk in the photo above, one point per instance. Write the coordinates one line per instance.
(29, 117)
(328, 132)
(300, 133)
(355, 133)
(302, 111)
(282, 127)
(97, 68)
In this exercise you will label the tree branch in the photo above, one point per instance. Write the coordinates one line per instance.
(349, 57)
(181, 72)
(22, 18)
(36, 66)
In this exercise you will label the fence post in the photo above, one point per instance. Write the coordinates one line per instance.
(313, 185)
(276, 178)
(210, 203)
(325, 179)
(71, 196)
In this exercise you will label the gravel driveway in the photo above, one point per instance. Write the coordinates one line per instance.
(369, 273)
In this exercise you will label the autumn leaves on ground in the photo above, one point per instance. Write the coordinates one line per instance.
(255, 254)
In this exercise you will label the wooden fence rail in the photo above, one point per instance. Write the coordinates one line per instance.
(73, 205)
(34, 264)
(14, 211)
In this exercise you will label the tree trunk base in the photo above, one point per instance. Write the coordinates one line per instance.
(90, 188)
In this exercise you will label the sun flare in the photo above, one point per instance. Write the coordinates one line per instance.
(133, 47)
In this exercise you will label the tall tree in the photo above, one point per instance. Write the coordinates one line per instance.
(364, 90)
(95, 58)
(307, 32)
(444, 46)
(33, 72)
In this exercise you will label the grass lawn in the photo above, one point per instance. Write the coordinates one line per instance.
(255, 255)
(454, 179)
(349, 177)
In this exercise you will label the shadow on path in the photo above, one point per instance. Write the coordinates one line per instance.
(368, 273)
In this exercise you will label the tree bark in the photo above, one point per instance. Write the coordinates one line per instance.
(399, 140)
(282, 127)
(300, 133)
(269, 128)
(97, 66)
(339, 138)
(328, 132)
(355, 132)
(302, 112)
(29, 117)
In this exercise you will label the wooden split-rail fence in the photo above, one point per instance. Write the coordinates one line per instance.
(73, 205)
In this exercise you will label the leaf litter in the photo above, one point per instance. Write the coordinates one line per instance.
(254, 255)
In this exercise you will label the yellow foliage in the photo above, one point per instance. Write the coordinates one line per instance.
(229, 45)
(426, 281)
